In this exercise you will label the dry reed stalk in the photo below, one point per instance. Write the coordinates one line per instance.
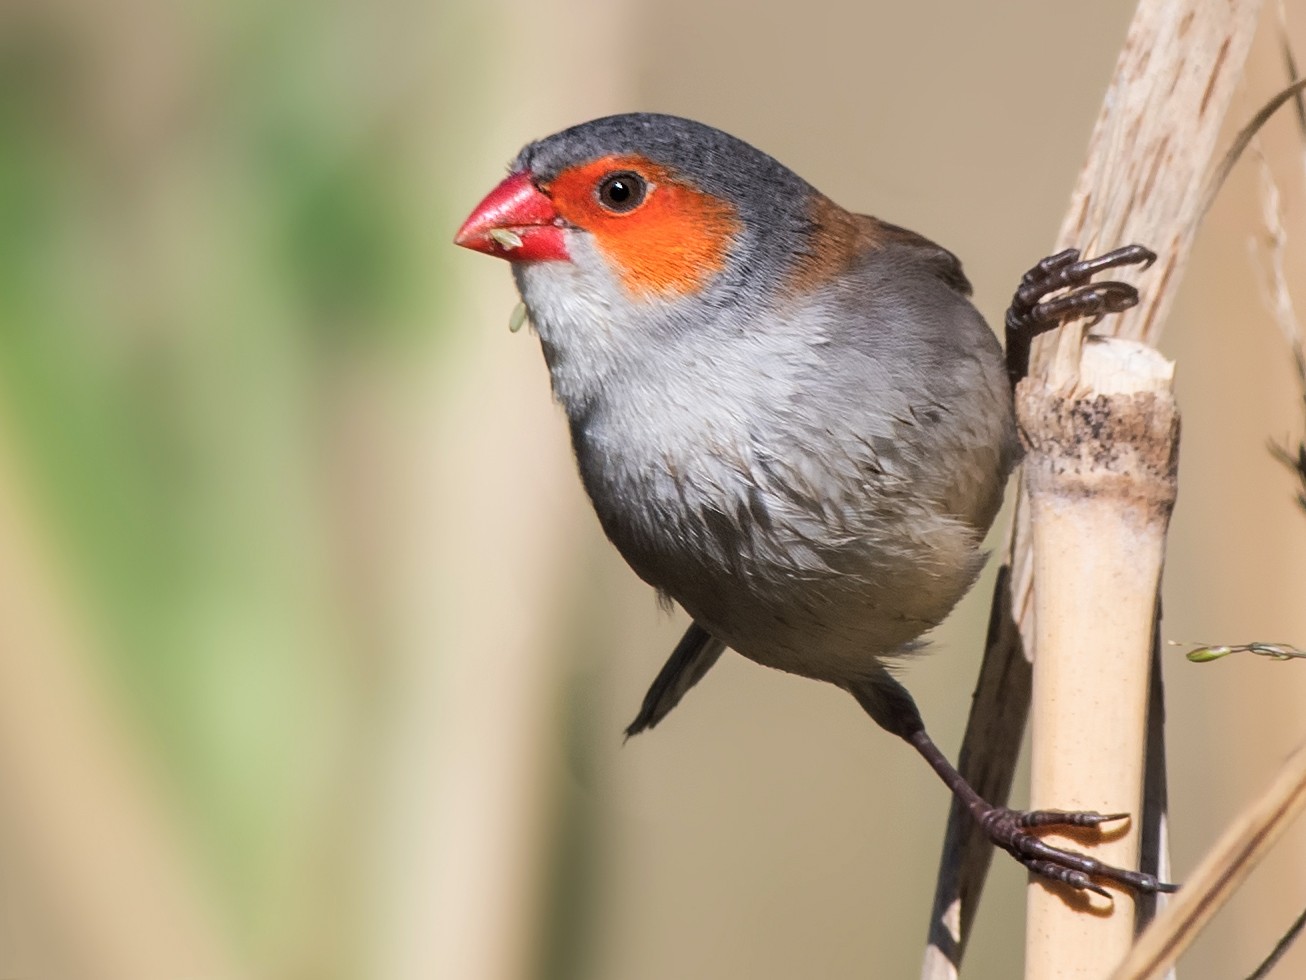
(1248, 838)
(1254, 832)
(1149, 161)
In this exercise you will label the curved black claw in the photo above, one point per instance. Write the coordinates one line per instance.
(1095, 300)
(1032, 313)
(1055, 872)
(1065, 818)
(1007, 829)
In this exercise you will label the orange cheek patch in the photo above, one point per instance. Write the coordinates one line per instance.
(669, 246)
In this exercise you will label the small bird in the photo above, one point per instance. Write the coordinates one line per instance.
(789, 417)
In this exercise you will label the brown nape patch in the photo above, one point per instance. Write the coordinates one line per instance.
(670, 245)
(838, 237)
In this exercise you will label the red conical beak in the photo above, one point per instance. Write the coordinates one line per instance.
(514, 222)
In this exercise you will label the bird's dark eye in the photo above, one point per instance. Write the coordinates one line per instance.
(622, 192)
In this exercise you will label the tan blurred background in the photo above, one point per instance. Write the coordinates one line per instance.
(313, 661)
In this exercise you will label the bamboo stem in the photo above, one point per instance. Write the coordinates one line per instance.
(1101, 475)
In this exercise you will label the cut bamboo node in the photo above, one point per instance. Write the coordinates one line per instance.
(1114, 433)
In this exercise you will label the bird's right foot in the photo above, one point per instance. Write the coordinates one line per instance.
(1032, 312)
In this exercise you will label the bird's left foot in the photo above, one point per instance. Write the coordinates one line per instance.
(1010, 830)
(1032, 312)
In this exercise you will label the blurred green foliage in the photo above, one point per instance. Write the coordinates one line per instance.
(201, 242)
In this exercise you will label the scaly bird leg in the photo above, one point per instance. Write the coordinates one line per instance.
(889, 704)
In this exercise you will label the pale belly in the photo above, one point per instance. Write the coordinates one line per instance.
(837, 626)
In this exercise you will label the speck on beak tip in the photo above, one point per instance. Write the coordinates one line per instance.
(515, 221)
